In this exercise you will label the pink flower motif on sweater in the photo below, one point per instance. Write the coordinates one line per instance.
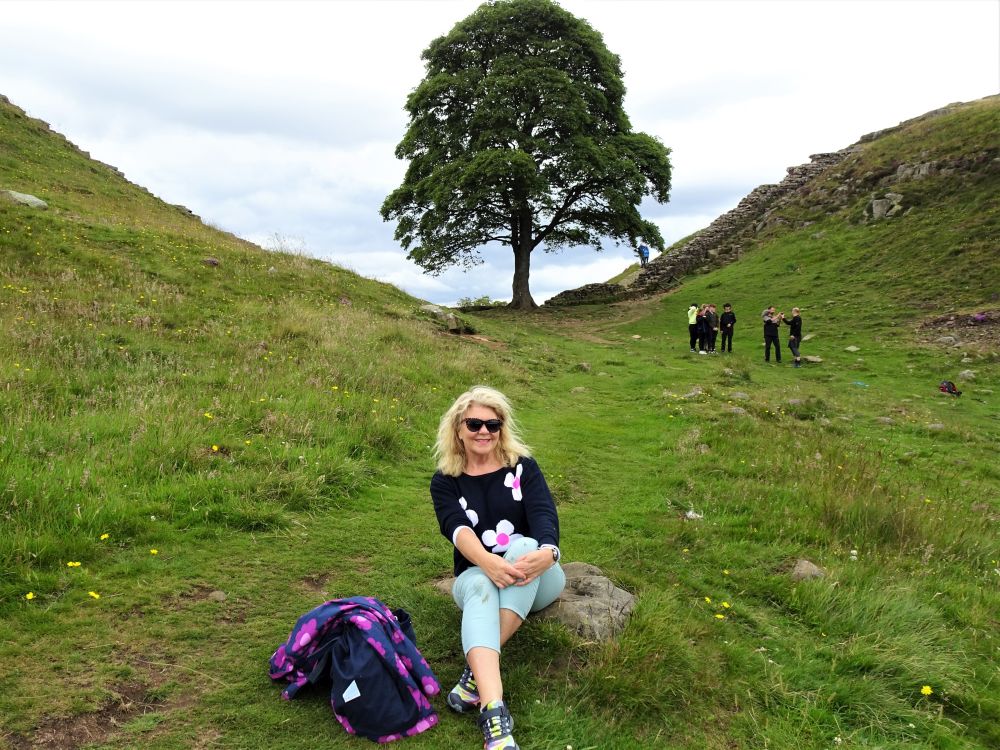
(502, 538)
(514, 482)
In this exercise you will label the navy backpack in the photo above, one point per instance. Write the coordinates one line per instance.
(378, 679)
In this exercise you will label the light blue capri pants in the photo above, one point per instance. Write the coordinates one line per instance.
(481, 601)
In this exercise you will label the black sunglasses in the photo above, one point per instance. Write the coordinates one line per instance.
(475, 425)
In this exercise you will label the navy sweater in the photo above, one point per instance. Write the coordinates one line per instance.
(499, 507)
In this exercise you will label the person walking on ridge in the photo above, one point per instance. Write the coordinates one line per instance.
(643, 256)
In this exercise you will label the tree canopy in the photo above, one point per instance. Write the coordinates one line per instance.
(517, 135)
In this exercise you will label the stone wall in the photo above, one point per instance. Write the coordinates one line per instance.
(730, 234)
(588, 294)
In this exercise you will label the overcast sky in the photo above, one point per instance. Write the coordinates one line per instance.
(280, 118)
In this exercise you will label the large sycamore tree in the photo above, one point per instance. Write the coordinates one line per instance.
(517, 135)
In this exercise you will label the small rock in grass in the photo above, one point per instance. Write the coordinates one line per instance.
(805, 570)
(966, 375)
(852, 348)
(218, 596)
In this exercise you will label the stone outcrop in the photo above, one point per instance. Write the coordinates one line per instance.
(828, 183)
(730, 234)
(588, 294)
(805, 570)
(591, 605)
(23, 198)
(445, 316)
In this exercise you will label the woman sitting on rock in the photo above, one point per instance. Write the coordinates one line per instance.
(493, 505)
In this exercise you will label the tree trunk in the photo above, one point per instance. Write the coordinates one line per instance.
(521, 294)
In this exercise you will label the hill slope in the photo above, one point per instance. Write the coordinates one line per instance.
(266, 433)
(937, 176)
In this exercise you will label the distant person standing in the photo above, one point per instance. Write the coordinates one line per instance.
(703, 329)
(772, 324)
(643, 256)
(794, 336)
(726, 324)
(693, 325)
(712, 319)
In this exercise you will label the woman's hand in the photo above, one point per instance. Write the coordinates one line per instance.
(533, 564)
(501, 572)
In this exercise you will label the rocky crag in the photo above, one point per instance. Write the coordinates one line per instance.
(829, 182)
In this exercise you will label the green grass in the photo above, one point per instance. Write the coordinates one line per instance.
(265, 424)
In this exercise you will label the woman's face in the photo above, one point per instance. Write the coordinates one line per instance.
(482, 443)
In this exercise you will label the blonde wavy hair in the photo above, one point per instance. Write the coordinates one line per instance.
(449, 450)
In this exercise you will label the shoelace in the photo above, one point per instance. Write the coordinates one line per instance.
(497, 726)
(467, 681)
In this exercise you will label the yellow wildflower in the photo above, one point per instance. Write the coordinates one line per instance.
(154, 552)
(726, 605)
(708, 600)
(926, 690)
(94, 594)
(104, 536)
(720, 617)
(208, 415)
(72, 565)
(215, 449)
(30, 595)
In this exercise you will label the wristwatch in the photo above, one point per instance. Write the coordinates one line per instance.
(556, 554)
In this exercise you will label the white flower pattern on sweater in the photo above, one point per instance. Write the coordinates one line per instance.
(514, 482)
(502, 538)
(473, 516)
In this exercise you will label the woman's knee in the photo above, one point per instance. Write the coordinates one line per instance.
(519, 548)
(473, 585)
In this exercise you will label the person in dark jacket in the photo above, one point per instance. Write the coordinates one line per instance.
(772, 324)
(494, 507)
(703, 329)
(712, 319)
(726, 324)
(794, 335)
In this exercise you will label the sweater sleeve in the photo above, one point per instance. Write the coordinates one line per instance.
(450, 514)
(540, 510)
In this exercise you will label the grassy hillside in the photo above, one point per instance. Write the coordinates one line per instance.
(252, 438)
